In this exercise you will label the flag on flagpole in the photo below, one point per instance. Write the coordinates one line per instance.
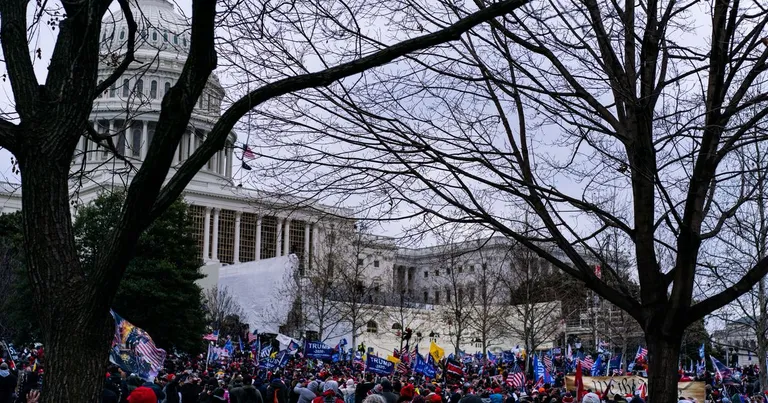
(134, 351)
(641, 353)
(436, 351)
(213, 336)
(516, 378)
(579, 381)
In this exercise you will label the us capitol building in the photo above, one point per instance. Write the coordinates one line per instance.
(234, 224)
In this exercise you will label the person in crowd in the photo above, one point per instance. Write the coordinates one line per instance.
(245, 392)
(387, 391)
(7, 384)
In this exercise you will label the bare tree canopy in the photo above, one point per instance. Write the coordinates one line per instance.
(593, 115)
(49, 118)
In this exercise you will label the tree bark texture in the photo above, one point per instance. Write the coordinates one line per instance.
(663, 355)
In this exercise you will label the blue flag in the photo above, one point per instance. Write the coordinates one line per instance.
(379, 366)
(597, 367)
(317, 350)
(538, 369)
(265, 352)
(615, 362)
(701, 351)
(508, 356)
(423, 367)
(491, 357)
(229, 347)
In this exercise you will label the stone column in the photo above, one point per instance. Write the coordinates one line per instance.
(191, 144)
(144, 140)
(286, 241)
(279, 232)
(215, 249)
(315, 240)
(258, 238)
(207, 236)
(222, 161)
(238, 215)
(306, 245)
(231, 159)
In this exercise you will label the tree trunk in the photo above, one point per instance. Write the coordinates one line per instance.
(74, 318)
(761, 336)
(663, 353)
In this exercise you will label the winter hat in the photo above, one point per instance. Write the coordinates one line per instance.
(386, 385)
(331, 385)
(434, 398)
(142, 394)
(350, 383)
(407, 391)
(3, 366)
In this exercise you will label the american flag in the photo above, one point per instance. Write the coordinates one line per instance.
(406, 357)
(396, 353)
(641, 353)
(516, 378)
(587, 363)
(548, 363)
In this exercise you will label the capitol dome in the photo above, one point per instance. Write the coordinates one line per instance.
(130, 108)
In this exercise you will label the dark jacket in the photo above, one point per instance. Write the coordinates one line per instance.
(277, 392)
(245, 394)
(328, 396)
(390, 397)
(190, 392)
(7, 386)
(361, 391)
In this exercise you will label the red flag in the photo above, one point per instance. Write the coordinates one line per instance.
(579, 383)
(247, 153)
(598, 271)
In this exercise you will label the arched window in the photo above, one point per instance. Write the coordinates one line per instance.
(153, 89)
(136, 139)
(372, 327)
(165, 36)
(184, 41)
(396, 326)
(175, 39)
(113, 90)
(140, 87)
(126, 88)
(167, 88)
(154, 36)
(122, 35)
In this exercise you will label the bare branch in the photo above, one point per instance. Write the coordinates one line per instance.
(129, 50)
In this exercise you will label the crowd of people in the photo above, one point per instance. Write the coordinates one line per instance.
(240, 379)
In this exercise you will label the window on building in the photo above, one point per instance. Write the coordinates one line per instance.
(426, 274)
(471, 268)
(426, 297)
(140, 87)
(372, 327)
(397, 326)
(377, 289)
(485, 266)
(167, 88)
(121, 141)
(461, 295)
(184, 41)
(165, 36)
(437, 297)
(461, 269)
(150, 132)
(448, 296)
(153, 89)
(122, 35)
(375, 263)
(175, 39)
(448, 271)
(126, 88)
(136, 131)
(410, 275)
(113, 90)
(359, 262)
(437, 272)
(154, 36)
(471, 293)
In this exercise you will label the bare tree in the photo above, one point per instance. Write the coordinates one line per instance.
(356, 290)
(488, 308)
(320, 288)
(402, 311)
(534, 310)
(745, 244)
(618, 99)
(220, 304)
(457, 270)
(50, 118)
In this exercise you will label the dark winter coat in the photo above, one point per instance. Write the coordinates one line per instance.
(245, 394)
(277, 392)
(7, 386)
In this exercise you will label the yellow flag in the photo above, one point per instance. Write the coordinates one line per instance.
(436, 352)
(392, 358)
